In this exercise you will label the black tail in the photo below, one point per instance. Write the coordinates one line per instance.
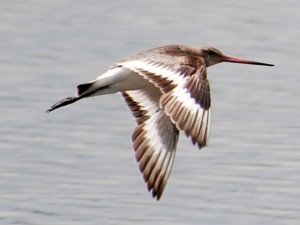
(82, 93)
(81, 88)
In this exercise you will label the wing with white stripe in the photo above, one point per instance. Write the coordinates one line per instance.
(189, 107)
(186, 95)
(154, 139)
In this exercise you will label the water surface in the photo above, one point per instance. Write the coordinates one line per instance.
(76, 165)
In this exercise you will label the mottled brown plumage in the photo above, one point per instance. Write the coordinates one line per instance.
(167, 91)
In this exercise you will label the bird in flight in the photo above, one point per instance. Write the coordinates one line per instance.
(167, 91)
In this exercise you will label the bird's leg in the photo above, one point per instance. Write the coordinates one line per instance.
(64, 102)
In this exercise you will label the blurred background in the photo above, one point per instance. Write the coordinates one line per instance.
(76, 165)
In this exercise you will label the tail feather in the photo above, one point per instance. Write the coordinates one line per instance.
(84, 90)
(81, 88)
(116, 79)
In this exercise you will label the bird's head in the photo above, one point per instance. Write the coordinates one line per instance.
(213, 56)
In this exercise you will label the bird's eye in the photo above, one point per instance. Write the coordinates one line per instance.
(212, 53)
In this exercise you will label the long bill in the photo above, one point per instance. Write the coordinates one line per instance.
(244, 61)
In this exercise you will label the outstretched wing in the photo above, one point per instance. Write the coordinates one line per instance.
(154, 139)
(186, 94)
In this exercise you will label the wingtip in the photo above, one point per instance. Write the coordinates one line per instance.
(156, 195)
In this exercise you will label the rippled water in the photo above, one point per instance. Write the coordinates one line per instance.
(76, 165)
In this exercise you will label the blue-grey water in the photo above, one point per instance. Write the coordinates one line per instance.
(76, 165)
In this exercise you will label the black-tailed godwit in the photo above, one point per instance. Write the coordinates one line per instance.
(167, 91)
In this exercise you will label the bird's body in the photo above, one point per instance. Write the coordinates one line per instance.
(167, 91)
